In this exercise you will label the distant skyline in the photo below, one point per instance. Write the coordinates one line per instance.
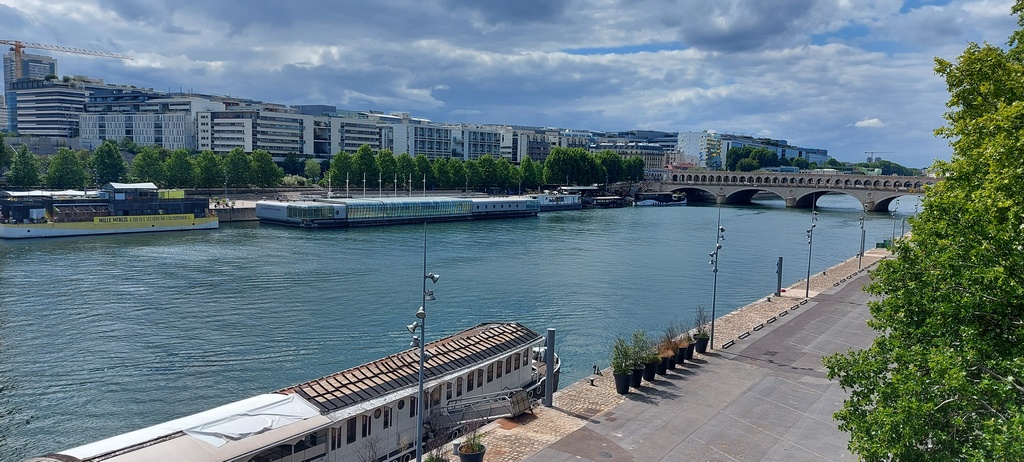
(846, 76)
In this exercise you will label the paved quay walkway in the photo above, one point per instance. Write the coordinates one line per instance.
(765, 397)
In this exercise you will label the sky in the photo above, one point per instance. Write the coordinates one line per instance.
(849, 76)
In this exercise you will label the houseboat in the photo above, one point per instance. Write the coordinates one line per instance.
(551, 202)
(368, 412)
(113, 209)
(324, 213)
(659, 199)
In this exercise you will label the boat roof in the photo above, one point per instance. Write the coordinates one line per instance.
(240, 428)
(386, 375)
(127, 186)
(41, 193)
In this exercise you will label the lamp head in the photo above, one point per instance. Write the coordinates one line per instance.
(412, 327)
(421, 313)
(415, 341)
(433, 277)
(721, 229)
(429, 295)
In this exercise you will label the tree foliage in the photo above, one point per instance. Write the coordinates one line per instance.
(24, 170)
(147, 166)
(65, 171)
(237, 168)
(209, 170)
(178, 170)
(265, 173)
(943, 379)
(108, 164)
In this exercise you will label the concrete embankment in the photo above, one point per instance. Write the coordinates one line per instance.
(235, 211)
(765, 397)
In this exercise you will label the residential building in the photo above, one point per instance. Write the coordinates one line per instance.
(33, 67)
(780, 147)
(271, 128)
(146, 117)
(470, 141)
(402, 133)
(705, 145)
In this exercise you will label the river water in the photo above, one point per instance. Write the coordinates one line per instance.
(103, 335)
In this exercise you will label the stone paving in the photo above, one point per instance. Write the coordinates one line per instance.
(580, 402)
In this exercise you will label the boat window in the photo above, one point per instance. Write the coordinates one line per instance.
(435, 396)
(458, 386)
(526, 358)
(516, 361)
(448, 391)
(387, 417)
(469, 381)
(350, 432)
(490, 372)
(335, 435)
(498, 365)
(376, 413)
(401, 404)
(480, 377)
(412, 407)
(367, 426)
(508, 365)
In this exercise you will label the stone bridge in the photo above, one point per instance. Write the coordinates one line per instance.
(798, 189)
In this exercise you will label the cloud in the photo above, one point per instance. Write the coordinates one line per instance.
(869, 123)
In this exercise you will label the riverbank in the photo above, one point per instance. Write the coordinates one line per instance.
(671, 416)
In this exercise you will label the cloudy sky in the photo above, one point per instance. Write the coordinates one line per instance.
(849, 76)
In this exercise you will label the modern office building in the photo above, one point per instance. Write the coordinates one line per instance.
(780, 147)
(144, 116)
(470, 141)
(50, 107)
(402, 133)
(705, 145)
(33, 67)
(252, 128)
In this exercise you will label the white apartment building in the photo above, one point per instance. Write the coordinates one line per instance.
(279, 133)
(705, 145)
(470, 141)
(49, 107)
(402, 133)
(147, 119)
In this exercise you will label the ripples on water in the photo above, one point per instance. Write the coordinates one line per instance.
(104, 335)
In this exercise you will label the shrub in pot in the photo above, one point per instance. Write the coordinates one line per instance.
(472, 448)
(701, 322)
(622, 367)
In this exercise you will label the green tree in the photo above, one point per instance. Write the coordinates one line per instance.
(340, 170)
(209, 170)
(6, 153)
(507, 176)
(423, 167)
(800, 163)
(311, 170)
(65, 171)
(387, 166)
(265, 173)
(364, 167)
(108, 164)
(179, 172)
(24, 170)
(406, 168)
(612, 164)
(634, 169)
(147, 166)
(832, 162)
(943, 378)
(488, 170)
(237, 168)
(747, 165)
(476, 177)
(128, 145)
(443, 173)
(458, 173)
(293, 164)
(765, 157)
(531, 173)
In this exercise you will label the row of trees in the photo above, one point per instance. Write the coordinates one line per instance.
(749, 158)
(179, 168)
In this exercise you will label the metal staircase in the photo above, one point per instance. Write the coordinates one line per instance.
(483, 408)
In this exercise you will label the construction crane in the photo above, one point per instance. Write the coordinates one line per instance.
(17, 46)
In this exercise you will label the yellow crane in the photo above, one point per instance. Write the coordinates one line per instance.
(17, 46)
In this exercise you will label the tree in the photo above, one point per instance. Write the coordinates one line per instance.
(613, 165)
(108, 164)
(147, 166)
(531, 173)
(293, 164)
(507, 176)
(265, 173)
(179, 172)
(209, 170)
(128, 145)
(442, 173)
(340, 171)
(387, 166)
(6, 153)
(311, 170)
(459, 175)
(476, 177)
(422, 168)
(65, 171)
(634, 169)
(832, 162)
(747, 165)
(799, 162)
(237, 168)
(765, 157)
(406, 168)
(24, 170)
(942, 379)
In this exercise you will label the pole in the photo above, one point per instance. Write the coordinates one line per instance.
(810, 247)
(422, 315)
(863, 234)
(714, 286)
(549, 362)
(778, 283)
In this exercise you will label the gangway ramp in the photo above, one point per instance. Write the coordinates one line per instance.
(484, 408)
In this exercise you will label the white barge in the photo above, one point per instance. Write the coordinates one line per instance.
(482, 373)
(322, 213)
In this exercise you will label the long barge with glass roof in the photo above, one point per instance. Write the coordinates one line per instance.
(368, 412)
(327, 213)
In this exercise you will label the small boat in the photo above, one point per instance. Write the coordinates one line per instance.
(659, 199)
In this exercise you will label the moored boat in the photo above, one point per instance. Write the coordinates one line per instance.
(486, 372)
(659, 199)
(550, 202)
(115, 208)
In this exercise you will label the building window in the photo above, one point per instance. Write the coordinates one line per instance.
(490, 372)
(350, 432)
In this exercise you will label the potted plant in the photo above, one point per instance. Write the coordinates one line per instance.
(645, 363)
(622, 365)
(472, 448)
(701, 321)
(683, 340)
(667, 353)
(652, 365)
(672, 335)
(691, 345)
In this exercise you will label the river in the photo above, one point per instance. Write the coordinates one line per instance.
(103, 335)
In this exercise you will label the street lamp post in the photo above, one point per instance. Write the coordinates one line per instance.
(420, 323)
(894, 209)
(863, 234)
(720, 236)
(810, 246)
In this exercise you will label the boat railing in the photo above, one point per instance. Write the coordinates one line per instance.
(486, 407)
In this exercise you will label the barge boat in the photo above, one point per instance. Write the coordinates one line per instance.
(325, 213)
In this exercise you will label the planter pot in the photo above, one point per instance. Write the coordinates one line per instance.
(689, 350)
(663, 366)
(702, 345)
(649, 370)
(671, 362)
(681, 356)
(634, 378)
(471, 456)
(622, 383)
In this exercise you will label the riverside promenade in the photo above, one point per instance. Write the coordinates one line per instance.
(765, 397)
